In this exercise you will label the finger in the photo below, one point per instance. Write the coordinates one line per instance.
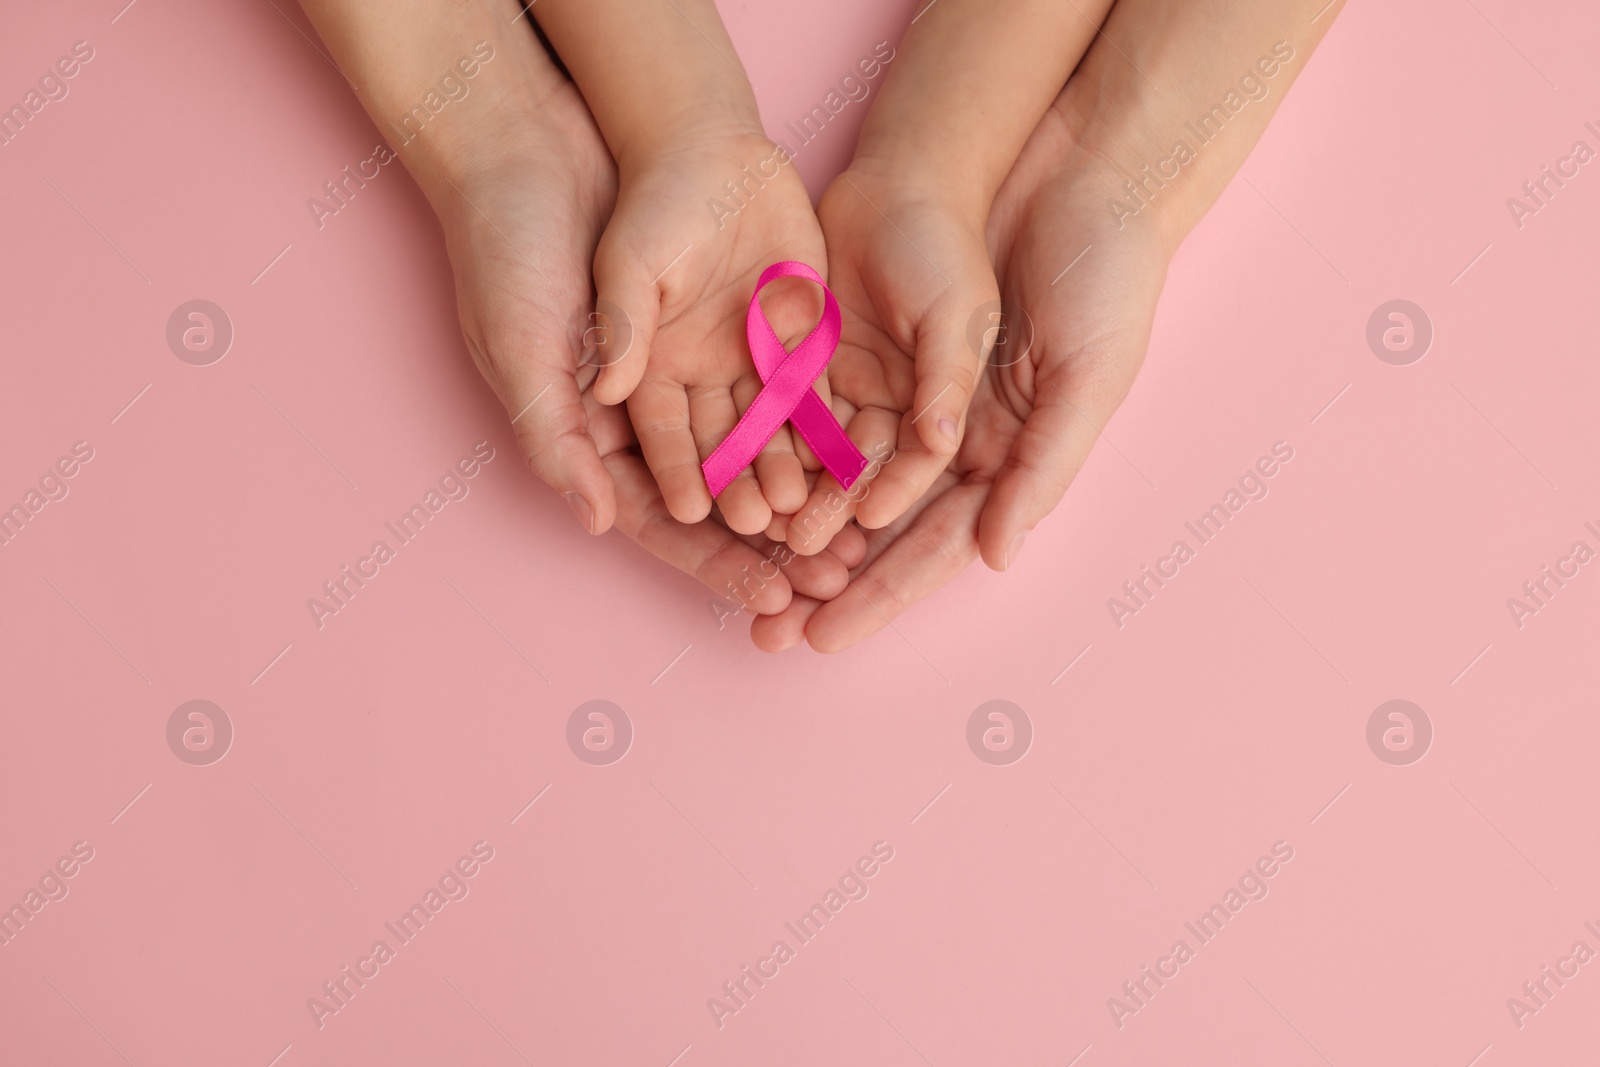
(627, 311)
(830, 506)
(850, 546)
(948, 372)
(821, 577)
(903, 481)
(609, 426)
(1047, 454)
(705, 551)
(934, 548)
(1072, 405)
(948, 363)
(782, 478)
(712, 417)
(786, 629)
(660, 414)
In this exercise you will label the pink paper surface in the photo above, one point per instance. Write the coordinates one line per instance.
(1166, 756)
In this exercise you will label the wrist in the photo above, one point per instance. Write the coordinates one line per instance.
(1153, 185)
(501, 116)
(1165, 157)
(907, 168)
(693, 125)
(655, 77)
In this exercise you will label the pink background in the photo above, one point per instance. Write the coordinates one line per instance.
(1224, 717)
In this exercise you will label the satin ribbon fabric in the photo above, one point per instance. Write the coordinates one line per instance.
(787, 395)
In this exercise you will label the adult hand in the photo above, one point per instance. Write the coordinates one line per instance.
(905, 229)
(908, 267)
(683, 272)
(522, 226)
(1088, 274)
(1038, 407)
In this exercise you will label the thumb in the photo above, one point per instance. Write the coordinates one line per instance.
(552, 432)
(1074, 401)
(627, 311)
(950, 358)
(545, 407)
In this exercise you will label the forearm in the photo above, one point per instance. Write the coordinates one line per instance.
(654, 73)
(1177, 106)
(970, 83)
(449, 85)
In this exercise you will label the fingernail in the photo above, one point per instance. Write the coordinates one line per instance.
(948, 428)
(1012, 549)
(580, 507)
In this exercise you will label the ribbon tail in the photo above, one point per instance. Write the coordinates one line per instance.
(828, 439)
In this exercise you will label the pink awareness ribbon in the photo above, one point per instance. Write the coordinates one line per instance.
(786, 393)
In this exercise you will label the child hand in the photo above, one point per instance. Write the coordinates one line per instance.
(910, 269)
(706, 202)
(681, 257)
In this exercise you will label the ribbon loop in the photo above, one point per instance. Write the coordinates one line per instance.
(786, 392)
